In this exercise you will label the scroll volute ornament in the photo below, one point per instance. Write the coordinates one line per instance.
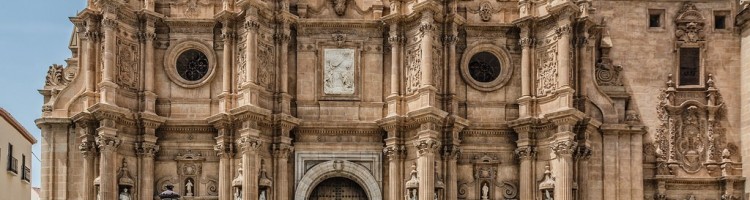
(690, 23)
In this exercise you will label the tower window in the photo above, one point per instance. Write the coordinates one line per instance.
(689, 66)
(655, 18)
(720, 22)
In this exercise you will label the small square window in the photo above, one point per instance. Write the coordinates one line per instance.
(720, 22)
(654, 20)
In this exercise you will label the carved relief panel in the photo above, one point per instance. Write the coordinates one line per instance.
(546, 70)
(127, 64)
(413, 69)
(339, 71)
(266, 66)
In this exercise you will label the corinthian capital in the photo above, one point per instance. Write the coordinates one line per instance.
(565, 147)
(107, 143)
(394, 152)
(146, 149)
(223, 149)
(526, 42)
(249, 144)
(109, 23)
(427, 145)
(525, 152)
(282, 150)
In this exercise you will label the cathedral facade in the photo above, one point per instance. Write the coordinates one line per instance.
(401, 99)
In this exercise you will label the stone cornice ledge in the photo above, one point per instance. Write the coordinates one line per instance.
(251, 112)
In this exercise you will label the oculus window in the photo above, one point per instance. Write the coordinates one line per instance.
(484, 67)
(192, 65)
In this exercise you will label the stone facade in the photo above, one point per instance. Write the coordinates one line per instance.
(422, 99)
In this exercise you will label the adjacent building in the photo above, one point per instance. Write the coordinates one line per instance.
(401, 99)
(15, 156)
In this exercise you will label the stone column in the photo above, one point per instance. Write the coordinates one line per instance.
(88, 149)
(563, 52)
(146, 152)
(451, 40)
(395, 178)
(283, 39)
(226, 67)
(107, 163)
(582, 155)
(251, 45)
(450, 155)
(526, 184)
(427, 28)
(563, 168)
(744, 26)
(149, 35)
(281, 153)
(427, 147)
(90, 63)
(525, 43)
(395, 43)
(249, 145)
(224, 151)
(107, 86)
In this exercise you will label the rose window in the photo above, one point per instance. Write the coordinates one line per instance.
(484, 67)
(192, 65)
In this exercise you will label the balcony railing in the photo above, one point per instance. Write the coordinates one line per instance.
(26, 174)
(13, 165)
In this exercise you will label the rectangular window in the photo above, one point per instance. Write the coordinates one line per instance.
(689, 66)
(655, 18)
(12, 162)
(720, 22)
(26, 173)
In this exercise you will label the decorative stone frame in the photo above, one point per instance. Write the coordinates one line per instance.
(170, 60)
(506, 69)
(338, 168)
(358, 56)
(690, 14)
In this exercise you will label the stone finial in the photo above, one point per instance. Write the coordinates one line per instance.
(548, 183)
(413, 183)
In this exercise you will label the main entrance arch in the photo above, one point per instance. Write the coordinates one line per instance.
(341, 169)
(338, 188)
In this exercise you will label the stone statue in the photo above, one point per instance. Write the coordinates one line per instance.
(237, 194)
(189, 188)
(413, 195)
(124, 195)
(485, 192)
(262, 195)
(548, 195)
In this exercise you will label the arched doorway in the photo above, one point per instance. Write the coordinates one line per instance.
(338, 188)
(339, 168)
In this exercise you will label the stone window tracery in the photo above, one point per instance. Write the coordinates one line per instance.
(192, 65)
(485, 67)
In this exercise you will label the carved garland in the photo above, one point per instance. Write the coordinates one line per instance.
(266, 65)
(413, 70)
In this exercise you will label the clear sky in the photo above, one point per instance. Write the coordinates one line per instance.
(34, 34)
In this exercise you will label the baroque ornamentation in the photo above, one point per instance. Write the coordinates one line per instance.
(249, 144)
(525, 152)
(241, 61)
(565, 147)
(485, 11)
(607, 74)
(546, 76)
(107, 144)
(56, 76)
(339, 71)
(127, 64)
(690, 134)
(146, 149)
(690, 23)
(413, 70)
(339, 6)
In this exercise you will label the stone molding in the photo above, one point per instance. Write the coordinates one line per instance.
(338, 168)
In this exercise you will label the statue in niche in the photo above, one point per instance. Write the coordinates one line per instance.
(189, 188)
(262, 195)
(485, 191)
(548, 195)
(339, 71)
(237, 194)
(413, 195)
(124, 195)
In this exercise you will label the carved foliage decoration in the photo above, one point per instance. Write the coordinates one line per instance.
(413, 70)
(127, 64)
(546, 75)
(339, 71)
(690, 23)
(437, 66)
(690, 134)
(56, 76)
(266, 64)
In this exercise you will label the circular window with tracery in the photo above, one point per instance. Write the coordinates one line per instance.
(486, 67)
(192, 65)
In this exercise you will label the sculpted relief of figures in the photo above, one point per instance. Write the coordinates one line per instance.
(546, 80)
(127, 64)
(339, 68)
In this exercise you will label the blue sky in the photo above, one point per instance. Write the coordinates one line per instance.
(34, 34)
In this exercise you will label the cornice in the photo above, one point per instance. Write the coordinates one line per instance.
(13, 122)
(742, 18)
(106, 111)
(250, 112)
